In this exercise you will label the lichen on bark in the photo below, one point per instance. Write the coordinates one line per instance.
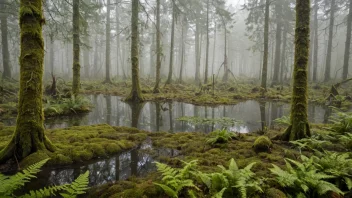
(29, 133)
(299, 127)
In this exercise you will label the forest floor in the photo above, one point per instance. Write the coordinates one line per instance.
(83, 143)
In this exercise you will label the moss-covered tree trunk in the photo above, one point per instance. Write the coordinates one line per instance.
(266, 45)
(278, 10)
(283, 55)
(316, 41)
(327, 74)
(158, 49)
(107, 46)
(76, 50)
(5, 46)
(136, 94)
(348, 44)
(169, 78)
(29, 134)
(299, 127)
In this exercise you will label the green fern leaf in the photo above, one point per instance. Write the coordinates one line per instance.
(219, 194)
(170, 192)
(78, 187)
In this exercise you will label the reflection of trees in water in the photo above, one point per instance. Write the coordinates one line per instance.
(150, 116)
(262, 115)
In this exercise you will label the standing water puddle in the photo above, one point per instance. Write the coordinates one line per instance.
(156, 116)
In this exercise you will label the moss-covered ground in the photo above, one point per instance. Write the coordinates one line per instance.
(79, 144)
(192, 146)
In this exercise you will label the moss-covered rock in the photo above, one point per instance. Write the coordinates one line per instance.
(262, 144)
(274, 193)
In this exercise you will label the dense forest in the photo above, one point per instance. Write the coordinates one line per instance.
(176, 98)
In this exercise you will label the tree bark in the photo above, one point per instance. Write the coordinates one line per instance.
(29, 134)
(207, 50)
(266, 45)
(348, 44)
(136, 94)
(316, 41)
(278, 10)
(184, 36)
(76, 49)
(5, 48)
(117, 37)
(283, 54)
(197, 49)
(169, 78)
(107, 49)
(299, 127)
(158, 49)
(329, 50)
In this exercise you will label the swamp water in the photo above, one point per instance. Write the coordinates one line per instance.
(155, 116)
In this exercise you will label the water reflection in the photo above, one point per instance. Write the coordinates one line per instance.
(154, 116)
(136, 162)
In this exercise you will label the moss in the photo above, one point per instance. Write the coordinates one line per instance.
(274, 193)
(262, 144)
(34, 158)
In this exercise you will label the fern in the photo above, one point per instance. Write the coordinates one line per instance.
(9, 184)
(78, 187)
(338, 165)
(342, 123)
(283, 121)
(175, 180)
(220, 136)
(233, 180)
(305, 178)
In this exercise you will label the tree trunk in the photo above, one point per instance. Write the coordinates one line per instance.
(158, 49)
(207, 50)
(348, 44)
(316, 41)
(107, 49)
(329, 51)
(5, 48)
(136, 94)
(299, 127)
(76, 49)
(117, 37)
(266, 45)
(214, 51)
(197, 49)
(52, 54)
(184, 38)
(225, 78)
(283, 54)
(169, 78)
(278, 10)
(86, 56)
(29, 134)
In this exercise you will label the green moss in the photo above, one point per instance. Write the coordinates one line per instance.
(34, 158)
(274, 193)
(262, 144)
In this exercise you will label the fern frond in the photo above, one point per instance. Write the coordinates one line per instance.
(219, 194)
(169, 191)
(78, 187)
(45, 192)
(10, 184)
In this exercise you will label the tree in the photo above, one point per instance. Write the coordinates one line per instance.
(348, 43)
(299, 127)
(331, 32)
(107, 49)
(136, 94)
(207, 48)
(4, 43)
(278, 10)
(169, 78)
(266, 45)
(316, 41)
(76, 49)
(158, 49)
(29, 134)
